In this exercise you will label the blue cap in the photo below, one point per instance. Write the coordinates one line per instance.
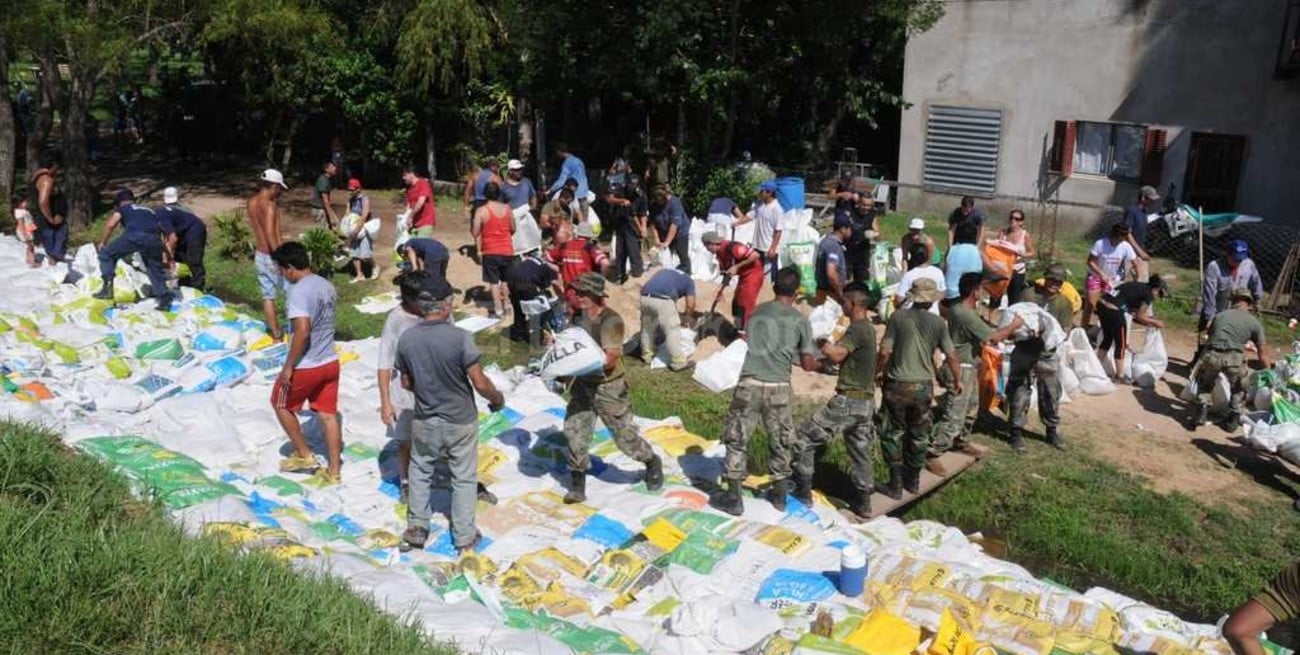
(123, 195)
(1239, 248)
(768, 186)
(842, 221)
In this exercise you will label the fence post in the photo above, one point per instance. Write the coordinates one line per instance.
(1200, 238)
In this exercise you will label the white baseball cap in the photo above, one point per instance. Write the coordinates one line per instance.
(916, 223)
(274, 177)
(514, 165)
(171, 195)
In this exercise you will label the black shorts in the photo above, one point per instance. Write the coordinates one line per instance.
(494, 268)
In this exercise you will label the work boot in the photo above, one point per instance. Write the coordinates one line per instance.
(1054, 438)
(654, 474)
(164, 303)
(933, 465)
(105, 292)
(577, 488)
(730, 501)
(1017, 441)
(911, 480)
(1202, 416)
(803, 490)
(893, 488)
(861, 506)
(776, 494)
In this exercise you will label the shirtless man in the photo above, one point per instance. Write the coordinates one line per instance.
(264, 219)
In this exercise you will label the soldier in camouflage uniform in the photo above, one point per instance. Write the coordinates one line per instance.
(1225, 352)
(906, 363)
(778, 336)
(1032, 361)
(604, 394)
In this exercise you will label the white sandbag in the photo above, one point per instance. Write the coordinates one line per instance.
(113, 396)
(1037, 322)
(372, 227)
(1290, 448)
(528, 235)
(86, 260)
(1087, 367)
(349, 224)
(1069, 379)
(218, 337)
(1096, 386)
(721, 371)
(574, 353)
(1221, 394)
(686, 337)
(824, 318)
(1269, 438)
(1150, 363)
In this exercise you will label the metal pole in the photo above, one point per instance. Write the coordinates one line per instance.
(1200, 238)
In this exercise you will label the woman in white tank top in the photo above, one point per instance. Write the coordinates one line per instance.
(1016, 234)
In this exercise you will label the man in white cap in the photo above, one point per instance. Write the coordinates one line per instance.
(188, 238)
(264, 219)
(517, 190)
(916, 234)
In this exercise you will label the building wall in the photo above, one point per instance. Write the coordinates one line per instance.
(1182, 65)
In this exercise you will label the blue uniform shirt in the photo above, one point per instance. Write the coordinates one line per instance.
(673, 213)
(174, 218)
(571, 168)
(142, 219)
(669, 283)
(430, 250)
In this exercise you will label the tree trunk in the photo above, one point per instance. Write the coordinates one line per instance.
(733, 94)
(7, 133)
(43, 123)
(295, 124)
(681, 123)
(826, 135)
(430, 153)
(76, 183)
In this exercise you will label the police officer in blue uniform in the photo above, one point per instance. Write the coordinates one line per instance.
(186, 240)
(143, 233)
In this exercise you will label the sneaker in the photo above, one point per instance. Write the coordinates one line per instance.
(485, 496)
(355, 280)
(327, 479)
(297, 464)
(374, 273)
(414, 539)
(461, 550)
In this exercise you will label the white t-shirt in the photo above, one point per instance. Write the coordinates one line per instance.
(313, 298)
(929, 272)
(1112, 258)
(399, 320)
(767, 221)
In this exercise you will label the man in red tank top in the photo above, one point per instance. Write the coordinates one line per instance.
(493, 228)
(738, 259)
(576, 252)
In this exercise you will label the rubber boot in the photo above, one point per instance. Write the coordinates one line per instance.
(912, 480)
(105, 292)
(1054, 438)
(1017, 440)
(654, 474)
(730, 501)
(164, 303)
(861, 506)
(577, 488)
(776, 494)
(893, 488)
(803, 490)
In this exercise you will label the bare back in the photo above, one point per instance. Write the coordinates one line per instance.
(264, 220)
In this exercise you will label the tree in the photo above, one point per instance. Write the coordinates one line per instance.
(7, 132)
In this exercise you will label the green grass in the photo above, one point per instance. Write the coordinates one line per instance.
(88, 569)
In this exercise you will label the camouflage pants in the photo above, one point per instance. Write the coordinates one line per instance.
(611, 402)
(772, 402)
(1213, 362)
(852, 416)
(950, 415)
(1030, 364)
(906, 438)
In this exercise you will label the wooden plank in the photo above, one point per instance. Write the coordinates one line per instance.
(955, 463)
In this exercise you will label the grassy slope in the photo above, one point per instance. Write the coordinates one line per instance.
(86, 568)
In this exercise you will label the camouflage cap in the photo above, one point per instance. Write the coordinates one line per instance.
(591, 284)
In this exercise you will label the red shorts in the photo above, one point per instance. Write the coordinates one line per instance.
(318, 386)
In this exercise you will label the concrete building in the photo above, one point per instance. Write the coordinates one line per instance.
(1083, 101)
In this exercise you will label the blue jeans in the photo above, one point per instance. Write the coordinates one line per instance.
(433, 439)
(54, 239)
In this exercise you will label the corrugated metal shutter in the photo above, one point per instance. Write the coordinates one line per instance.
(961, 148)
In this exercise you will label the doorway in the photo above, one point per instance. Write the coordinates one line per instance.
(1214, 163)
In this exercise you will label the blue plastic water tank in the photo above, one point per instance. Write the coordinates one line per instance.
(789, 192)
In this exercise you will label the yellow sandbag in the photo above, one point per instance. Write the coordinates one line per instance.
(952, 638)
(1073, 643)
(883, 633)
(665, 535)
(676, 441)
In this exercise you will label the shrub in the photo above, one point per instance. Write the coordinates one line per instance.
(700, 181)
(322, 245)
(234, 239)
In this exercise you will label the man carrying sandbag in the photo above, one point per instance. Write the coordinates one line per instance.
(439, 363)
(604, 394)
(851, 409)
(778, 336)
(659, 299)
(1033, 362)
(969, 333)
(1225, 352)
(906, 367)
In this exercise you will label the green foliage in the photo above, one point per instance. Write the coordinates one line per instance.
(234, 240)
(700, 181)
(322, 245)
(442, 43)
(86, 564)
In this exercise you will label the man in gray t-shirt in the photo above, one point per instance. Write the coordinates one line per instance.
(439, 364)
(310, 375)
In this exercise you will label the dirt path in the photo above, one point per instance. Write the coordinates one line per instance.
(1137, 430)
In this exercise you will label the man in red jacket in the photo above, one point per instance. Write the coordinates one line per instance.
(576, 252)
(738, 259)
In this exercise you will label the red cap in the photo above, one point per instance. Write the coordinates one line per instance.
(354, 184)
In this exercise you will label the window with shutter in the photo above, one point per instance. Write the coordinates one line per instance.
(1060, 159)
(961, 148)
(1153, 157)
